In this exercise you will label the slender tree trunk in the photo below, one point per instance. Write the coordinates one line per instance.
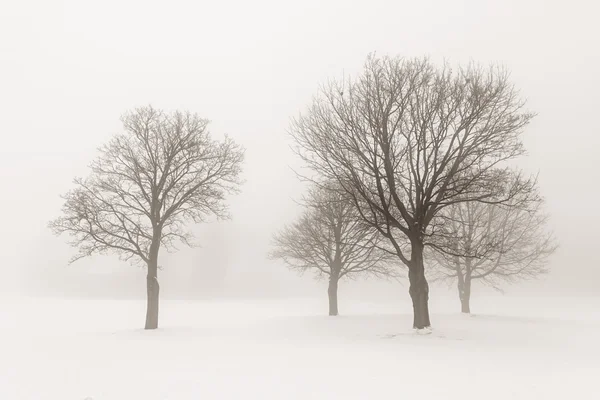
(464, 289)
(419, 288)
(464, 285)
(335, 268)
(465, 297)
(152, 287)
(332, 292)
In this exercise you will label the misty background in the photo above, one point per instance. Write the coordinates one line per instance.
(69, 69)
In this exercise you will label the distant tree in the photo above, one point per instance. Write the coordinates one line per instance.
(407, 139)
(162, 172)
(331, 240)
(492, 243)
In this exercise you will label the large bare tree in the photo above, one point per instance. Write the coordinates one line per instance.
(406, 139)
(331, 239)
(148, 182)
(492, 243)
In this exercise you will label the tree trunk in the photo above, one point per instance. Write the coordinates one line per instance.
(152, 305)
(464, 305)
(152, 286)
(332, 291)
(465, 297)
(464, 285)
(419, 288)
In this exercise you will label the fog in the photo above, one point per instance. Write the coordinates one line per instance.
(69, 69)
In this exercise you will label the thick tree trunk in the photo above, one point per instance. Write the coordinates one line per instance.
(464, 305)
(419, 288)
(152, 286)
(152, 304)
(332, 292)
(465, 297)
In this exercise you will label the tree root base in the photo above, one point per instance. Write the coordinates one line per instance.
(423, 331)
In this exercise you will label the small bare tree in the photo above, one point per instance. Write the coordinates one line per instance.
(407, 139)
(147, 184)
(492, 243)
(331, 240)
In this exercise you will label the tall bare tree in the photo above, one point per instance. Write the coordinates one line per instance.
(148, 182)
(406, 139)
(331, 240)
(492, 243)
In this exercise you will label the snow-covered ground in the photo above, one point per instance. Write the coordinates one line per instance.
(94, 349)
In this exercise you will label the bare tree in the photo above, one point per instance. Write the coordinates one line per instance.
(331, 240)
(492, 243)
(146, 185)
(407, 139)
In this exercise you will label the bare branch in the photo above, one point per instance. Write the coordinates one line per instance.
(494, 242)
(406, 139)
(331, 240)
(148, 182)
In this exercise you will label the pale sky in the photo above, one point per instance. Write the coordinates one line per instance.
(69, 69)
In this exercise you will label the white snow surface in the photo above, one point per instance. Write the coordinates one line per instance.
(95, 349)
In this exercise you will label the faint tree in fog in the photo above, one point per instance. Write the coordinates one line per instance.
(331, 240)
(491, 243)
(407, 139)
(162, 172)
